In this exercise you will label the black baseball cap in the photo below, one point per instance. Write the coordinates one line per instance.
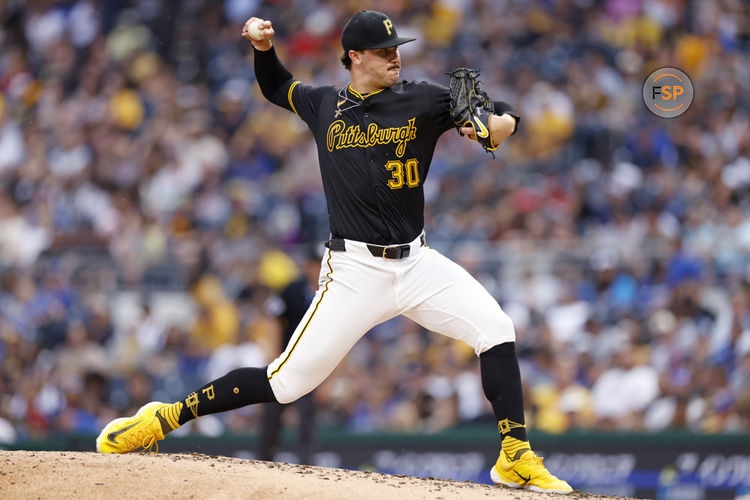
(370, 29)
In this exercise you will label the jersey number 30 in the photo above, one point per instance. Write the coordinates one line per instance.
(403, 173)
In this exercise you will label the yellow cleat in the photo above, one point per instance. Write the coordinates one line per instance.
(137, 433)
(527, 472)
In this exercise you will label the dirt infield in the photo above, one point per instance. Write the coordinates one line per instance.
(48, 474)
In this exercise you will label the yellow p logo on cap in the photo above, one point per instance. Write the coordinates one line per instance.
(388, 25)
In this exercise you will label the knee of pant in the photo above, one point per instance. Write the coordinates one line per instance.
(502, 331)
(286, 399)
(285, 396)
(286, 393)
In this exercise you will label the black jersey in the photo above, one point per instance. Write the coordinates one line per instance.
(374, 150)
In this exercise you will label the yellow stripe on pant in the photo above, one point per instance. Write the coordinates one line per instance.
(330, 279)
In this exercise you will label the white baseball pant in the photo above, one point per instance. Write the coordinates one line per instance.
(358, 291)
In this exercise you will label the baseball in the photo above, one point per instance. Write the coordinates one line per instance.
(254, 30)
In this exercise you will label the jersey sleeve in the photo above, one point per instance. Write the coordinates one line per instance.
(279, 86)
(440, 104)
(305, 100)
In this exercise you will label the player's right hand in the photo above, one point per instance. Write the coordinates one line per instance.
(263, 36)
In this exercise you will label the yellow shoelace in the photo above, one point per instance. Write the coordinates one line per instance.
(150, 445)
(536, 466)
(146, 442)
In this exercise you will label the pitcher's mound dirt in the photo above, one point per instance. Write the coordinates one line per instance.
(48, 474)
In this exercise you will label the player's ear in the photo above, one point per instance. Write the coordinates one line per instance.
(355, 56)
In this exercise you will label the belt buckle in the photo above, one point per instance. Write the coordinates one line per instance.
(389, 247)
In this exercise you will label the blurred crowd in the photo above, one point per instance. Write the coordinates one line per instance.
(153, 205)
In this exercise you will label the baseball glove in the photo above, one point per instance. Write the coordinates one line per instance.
(471, 107)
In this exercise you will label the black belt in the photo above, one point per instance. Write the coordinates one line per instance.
(386, 252)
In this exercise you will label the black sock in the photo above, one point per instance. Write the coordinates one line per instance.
(238, 388)
(501, 381)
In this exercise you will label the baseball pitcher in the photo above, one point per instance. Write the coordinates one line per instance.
(375, 139)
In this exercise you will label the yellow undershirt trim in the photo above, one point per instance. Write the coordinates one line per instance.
(289, 96)
(366, 95)
(330, 254)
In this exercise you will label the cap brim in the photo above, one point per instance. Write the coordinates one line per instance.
(390, 43)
